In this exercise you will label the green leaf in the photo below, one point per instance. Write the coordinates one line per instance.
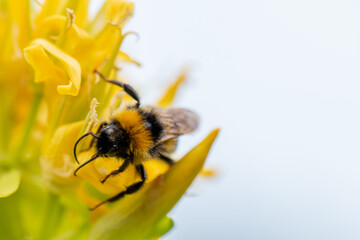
(136, 215)
(9, 182)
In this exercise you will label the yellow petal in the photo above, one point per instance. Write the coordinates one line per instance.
(119, 11)
(52, 64)
(57, 159)
(19, 11)
(206, 172)
(51, 7)
(168, 98)
(16, 33)
(2, 26)
(50, 27)
(44, 69)
(78, 42)
(98, 22)
(126, 58)
(147, 207)
(80, 8)
(115, 12)
(89, 200)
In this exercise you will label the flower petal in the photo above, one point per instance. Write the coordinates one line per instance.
(52, 64)
(168, 98)
(49, 8)
(80, 8)
(79, 44)
(126, 58)
(21, 21)
(127, 219)
(57, 160)
(39, 60)
(119, 11)
(9, 182)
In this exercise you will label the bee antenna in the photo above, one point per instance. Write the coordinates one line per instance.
(95, 156)
(82, 137)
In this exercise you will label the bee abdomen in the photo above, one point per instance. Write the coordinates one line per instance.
(152, 123)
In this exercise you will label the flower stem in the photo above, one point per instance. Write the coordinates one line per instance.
(28, 126)
(52, 216)
(85, 124)
(57, 118)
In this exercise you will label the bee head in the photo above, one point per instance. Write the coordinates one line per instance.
(112, 141)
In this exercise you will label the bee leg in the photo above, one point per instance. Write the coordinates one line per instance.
(127, 88)
(166, 159)
(115, 172)
(131, 189)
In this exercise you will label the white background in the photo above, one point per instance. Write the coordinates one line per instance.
(281, 79)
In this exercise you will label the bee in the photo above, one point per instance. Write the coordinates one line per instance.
(137, 134)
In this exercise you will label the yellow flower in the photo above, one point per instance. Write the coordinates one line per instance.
(49, 53)
(54, 67)
(57, 159)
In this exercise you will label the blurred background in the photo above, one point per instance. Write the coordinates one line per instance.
(281, 79)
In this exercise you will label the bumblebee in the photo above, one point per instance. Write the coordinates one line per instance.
(137, 134)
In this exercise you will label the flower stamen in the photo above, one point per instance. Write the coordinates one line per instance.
(93, 115)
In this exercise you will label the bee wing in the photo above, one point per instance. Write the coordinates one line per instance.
(167, 146)
(177, 121)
